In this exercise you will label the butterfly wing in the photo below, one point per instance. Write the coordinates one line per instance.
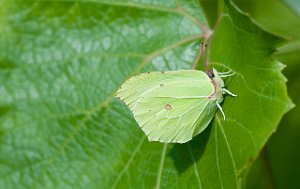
(172, 106)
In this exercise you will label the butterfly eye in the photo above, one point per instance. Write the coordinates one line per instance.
(210, 74)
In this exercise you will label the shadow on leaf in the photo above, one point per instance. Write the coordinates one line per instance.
(185, 155)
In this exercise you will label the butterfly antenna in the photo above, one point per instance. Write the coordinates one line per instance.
(208, 71)
(203, 49)
(199, 54)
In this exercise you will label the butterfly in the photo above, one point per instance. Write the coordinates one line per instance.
(174, 106)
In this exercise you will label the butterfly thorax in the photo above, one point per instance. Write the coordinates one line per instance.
(218, 84)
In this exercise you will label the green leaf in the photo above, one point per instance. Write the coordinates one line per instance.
(61, 63)
(278, 166)
(282, 18)
(210, 8)
(273, 15)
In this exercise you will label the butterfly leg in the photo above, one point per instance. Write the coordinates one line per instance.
(223, 75)
(220, 108)
(225, 91)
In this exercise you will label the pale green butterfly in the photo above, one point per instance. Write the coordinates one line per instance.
(174, 106)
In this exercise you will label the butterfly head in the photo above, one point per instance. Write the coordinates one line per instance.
(214, 75)
(218, 83)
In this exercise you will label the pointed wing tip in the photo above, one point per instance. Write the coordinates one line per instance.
(116, 95)
(118, 91)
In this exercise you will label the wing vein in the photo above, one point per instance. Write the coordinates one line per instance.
(157, 113)
(182, 97)
(179, 121)
(156, 87)
(153, 128)
(192, 124)
(195, 122)
(186, 111)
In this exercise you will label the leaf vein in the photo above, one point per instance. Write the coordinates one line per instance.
(161, 165)
(125, 168)
(195, 166)
(217, 156)
(229, 150)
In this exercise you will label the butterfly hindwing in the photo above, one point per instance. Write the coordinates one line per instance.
(170, 120)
